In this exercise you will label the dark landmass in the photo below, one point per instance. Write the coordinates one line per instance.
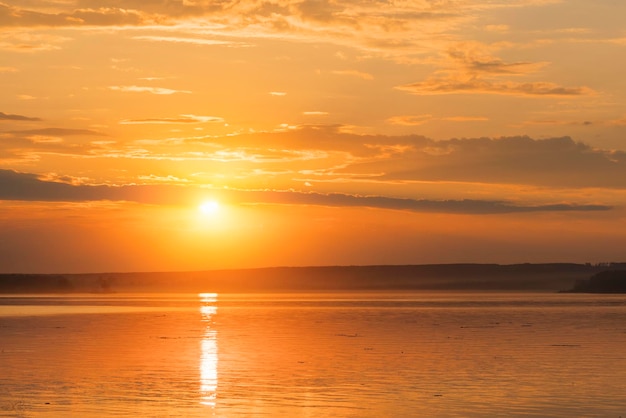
(610, 281)
(451, 277)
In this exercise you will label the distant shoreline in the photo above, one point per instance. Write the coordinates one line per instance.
(549, 277)
(607, 281)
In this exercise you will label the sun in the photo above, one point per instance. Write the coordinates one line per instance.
(209, 208)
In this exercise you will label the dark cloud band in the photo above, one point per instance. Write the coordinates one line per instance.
(28, 187)
(8, 116)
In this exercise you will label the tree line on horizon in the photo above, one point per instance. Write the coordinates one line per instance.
(555, 276)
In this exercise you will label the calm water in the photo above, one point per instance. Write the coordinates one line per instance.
(322, 355)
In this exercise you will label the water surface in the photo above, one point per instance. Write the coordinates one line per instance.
(313, 355)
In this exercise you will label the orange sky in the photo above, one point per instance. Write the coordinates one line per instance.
(329, 132)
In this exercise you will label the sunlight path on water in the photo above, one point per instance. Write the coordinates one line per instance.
(208, 351)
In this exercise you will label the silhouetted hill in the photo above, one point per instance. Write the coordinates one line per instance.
(41, 283)
(479, 277)
(610, 281)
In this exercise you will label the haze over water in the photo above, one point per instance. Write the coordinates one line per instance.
(310, 355)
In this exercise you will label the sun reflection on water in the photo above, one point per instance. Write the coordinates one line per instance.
(208, 351)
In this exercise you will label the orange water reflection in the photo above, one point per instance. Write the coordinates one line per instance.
(208, 350)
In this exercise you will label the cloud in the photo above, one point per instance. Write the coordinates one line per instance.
(330, 155)
(170, 179)
(476, 58)
(477, 86)
(194, 41)
(464, 206)
(26, 186)
(370, 25)
(472, 69)
(57, 132)
(319, 139)
(26, 41)
(465, 118)
(11, 16)
(409, 120)
(417, 120)
(6, 116)
(182, 119)
(553, 162)
(29, 187)
(406, 31)
(333, 154)
(556, 122)
(144, 89)
(315, 113)
(373, 26)
(32, 144)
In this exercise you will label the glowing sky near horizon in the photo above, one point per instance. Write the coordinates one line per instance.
(327, 132)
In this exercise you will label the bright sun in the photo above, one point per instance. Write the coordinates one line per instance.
(209, 208)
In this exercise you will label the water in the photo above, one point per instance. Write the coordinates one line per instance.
(313, 355)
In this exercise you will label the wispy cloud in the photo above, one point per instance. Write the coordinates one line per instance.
(473, 69)
(12, 16)
(407, 26)
(409, 120)
(417, 120)
(558, 122)
(182, 119)
(465, 118)
(57, 132)
(477, 86)
(417, 205)
(145, 89)
(476, 58)
(32, 145)
(194, 41)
